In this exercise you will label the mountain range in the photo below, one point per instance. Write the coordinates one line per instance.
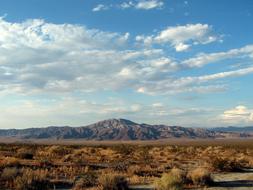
(248, 129)
(122, 129)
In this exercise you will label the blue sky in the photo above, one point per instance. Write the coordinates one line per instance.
(74, 62)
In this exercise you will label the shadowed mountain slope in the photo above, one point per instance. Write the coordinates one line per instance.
(117, 129)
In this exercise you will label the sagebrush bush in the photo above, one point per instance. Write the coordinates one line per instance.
(9, 173)
(133, 170)
(173, 180)
(87, 180)
(32, 180)
(225, 164)
(112, 182)
(58, 150)
(9, 162)
(200, 177)
(25, 153)
(123, 149)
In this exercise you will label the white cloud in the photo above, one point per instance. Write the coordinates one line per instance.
(57, 112)
(41, 57)
(126, 5)
(203, 59)
(182, 47)
(100, 7)
(149, 4)
(206, 78)
(136, 4)
(182, 37)
(79, 112)
(135, 108)
(238, 115)
(188, 84)
(157, 105)
(251, 117)
(146, 40)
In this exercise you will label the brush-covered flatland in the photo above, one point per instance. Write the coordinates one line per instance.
(174, 165)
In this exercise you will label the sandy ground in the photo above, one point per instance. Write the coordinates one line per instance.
(239, 181)
(238, 142)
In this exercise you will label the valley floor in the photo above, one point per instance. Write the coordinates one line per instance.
(86, 166)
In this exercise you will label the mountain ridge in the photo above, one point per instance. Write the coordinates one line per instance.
(247, 129)
(118, 129)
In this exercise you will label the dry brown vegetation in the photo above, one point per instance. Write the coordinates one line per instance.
(35, 167)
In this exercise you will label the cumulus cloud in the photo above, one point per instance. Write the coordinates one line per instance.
(40, 57)
(182, 37)
(238, 115)
(36, 55)
(181, 47)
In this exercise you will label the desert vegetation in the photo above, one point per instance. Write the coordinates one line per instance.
(117, 166)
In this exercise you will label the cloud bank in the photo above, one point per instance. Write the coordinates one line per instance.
(36, 56)
(238, 115)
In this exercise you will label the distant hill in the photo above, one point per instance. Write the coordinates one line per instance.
(117, 129)
(235, 129)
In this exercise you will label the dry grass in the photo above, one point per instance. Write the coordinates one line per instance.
(81, 165)
(200, 177)
(110, 181)
(174, 180)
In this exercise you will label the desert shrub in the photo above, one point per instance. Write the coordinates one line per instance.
(9, 162)
(234, 165)
(123, 149)
(58, 150)
(200, 177)
(161, 154)
(224, 164)
(147, 171)
(218, 164)
(93, 150)
(9, 173)
(112, 182)
(86, 180)
(173, 180)
(32, 180)
(25, 153)
(133, 170)
(121, 167)
(144, 154)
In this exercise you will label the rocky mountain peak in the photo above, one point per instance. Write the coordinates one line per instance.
(118, 129)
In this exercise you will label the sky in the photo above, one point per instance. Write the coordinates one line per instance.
(174, 62)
